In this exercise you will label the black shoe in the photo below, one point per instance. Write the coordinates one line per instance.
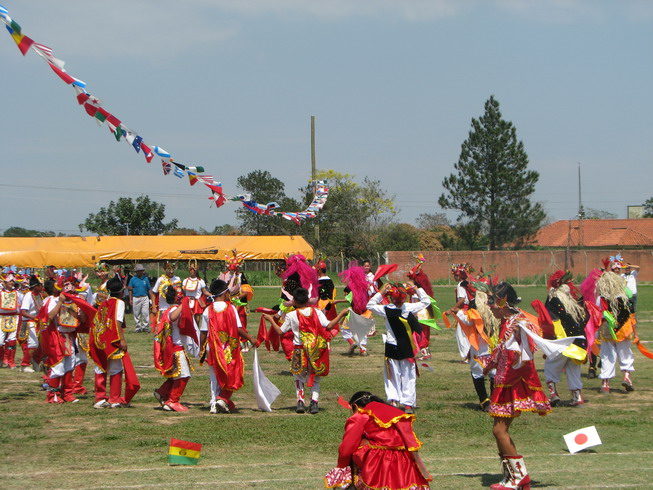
(301, 408)
(312, 408)
(591, 373)
(485, 406)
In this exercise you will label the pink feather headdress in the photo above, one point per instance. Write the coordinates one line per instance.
(355, 279)
(307, 276)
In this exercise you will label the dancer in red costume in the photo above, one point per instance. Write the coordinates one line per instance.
(517, 387)
(32, 303)
(220, 337)
(311, 332)
(108, 349)
(380, 446)
(10, 301)
(59, 319)
(175, 331)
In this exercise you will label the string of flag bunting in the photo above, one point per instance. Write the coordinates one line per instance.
(94, 108)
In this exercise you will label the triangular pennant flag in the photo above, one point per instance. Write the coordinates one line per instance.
(23, 42)
(343, 403)
(178, 165)
(166, 167)
(582, 439)
(192, 178)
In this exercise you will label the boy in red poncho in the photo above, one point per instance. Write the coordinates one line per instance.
(220, 336)
(59, 319)
(175, 337)
(108, 349)
(310, 357)
(379, 444)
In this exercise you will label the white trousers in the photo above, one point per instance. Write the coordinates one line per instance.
(141, 308)
(114, 367)
(613, 352)
(474, 367)
(7, 337)
(68, 364)
(301, 380)
(347, 334)
(553, 371)
(400, 378)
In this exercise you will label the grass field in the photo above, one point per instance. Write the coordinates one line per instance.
(75, 446)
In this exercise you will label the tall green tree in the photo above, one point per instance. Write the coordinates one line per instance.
(492, 185)
(648, 208)
(264, 189)
(128, 217)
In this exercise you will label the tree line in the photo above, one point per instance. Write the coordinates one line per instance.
(491, 187)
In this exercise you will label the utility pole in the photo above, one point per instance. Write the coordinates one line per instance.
(313, 176)
(581, 211)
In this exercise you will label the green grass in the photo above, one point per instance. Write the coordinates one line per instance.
(75, 446)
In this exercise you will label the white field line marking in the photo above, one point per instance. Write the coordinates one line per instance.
(295, 479)
(326, 465)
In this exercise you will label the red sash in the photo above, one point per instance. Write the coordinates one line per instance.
(224, 348)
(51, 342)
(186, 324)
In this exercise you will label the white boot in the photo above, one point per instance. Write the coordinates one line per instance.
(515, 475)
(576, 398)
(554, 398)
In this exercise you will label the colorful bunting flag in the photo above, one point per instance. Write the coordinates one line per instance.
(22, 41)
(183, 452)
(147, 152)
(162, 153)
(137, 143)
(93, 108)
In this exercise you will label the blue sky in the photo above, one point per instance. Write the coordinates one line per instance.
(393, 86)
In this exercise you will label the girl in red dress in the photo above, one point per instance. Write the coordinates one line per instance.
(380, 446)
(517, 387)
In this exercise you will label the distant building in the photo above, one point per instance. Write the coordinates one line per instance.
(596, 233)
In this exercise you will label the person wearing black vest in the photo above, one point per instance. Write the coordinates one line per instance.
(400, 373)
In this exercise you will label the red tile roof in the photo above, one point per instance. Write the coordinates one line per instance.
(597, 233)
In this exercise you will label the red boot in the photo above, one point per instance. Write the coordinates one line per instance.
(78, 379)
(163, 392)
(101, 391)
(67, 388)
(54, 391)
(115, 390)
(10, 354)
(178, 387)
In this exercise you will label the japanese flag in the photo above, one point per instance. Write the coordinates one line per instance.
(582, 439)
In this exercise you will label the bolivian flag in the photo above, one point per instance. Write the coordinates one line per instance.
(183, 452)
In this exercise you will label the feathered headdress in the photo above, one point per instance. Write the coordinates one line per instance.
(560, 277)
(463, 269)
(233, 262)
(102, 267)
(297, 264)
(355, 279)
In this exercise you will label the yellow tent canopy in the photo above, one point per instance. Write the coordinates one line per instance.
(87, 251)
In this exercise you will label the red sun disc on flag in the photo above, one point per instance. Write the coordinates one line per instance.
(581, 439)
